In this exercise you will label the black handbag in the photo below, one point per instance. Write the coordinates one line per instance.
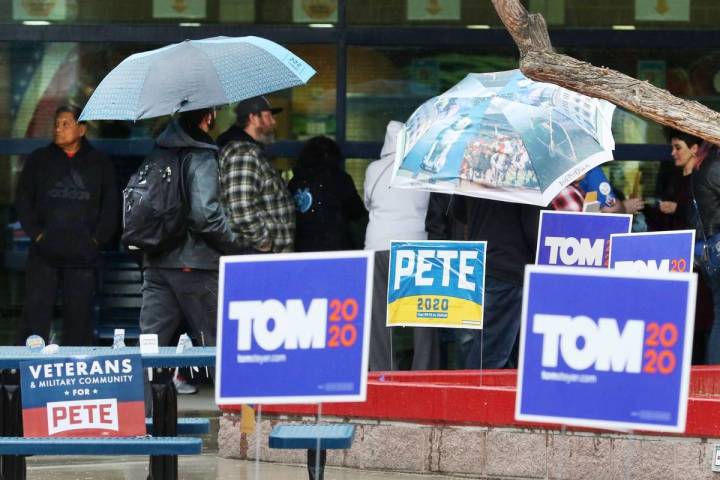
(707, 250)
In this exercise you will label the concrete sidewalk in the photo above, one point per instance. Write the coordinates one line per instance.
(206, 467)
(201, 404)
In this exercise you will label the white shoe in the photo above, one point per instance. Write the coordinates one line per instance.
(184, 388)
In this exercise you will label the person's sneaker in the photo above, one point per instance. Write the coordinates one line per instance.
(184, 388)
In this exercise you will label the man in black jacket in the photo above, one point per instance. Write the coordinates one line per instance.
(182, 282)
(67, 204)
(511, 232)
(444, 220)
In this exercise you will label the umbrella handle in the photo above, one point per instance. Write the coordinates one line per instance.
(184, 102)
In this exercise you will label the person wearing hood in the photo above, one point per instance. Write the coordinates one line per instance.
(182, 281)
(394, 214)
(67, 203)
(326, 199)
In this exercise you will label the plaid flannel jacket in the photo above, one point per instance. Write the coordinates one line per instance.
(570, 199)
(258, 203)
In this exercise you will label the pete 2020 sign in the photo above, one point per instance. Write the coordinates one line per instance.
(574, 239)
(293, 328)
(604, 349)
(436, 284)
(89, 396)
(653, 251)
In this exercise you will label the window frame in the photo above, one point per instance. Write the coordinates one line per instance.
(343, 36)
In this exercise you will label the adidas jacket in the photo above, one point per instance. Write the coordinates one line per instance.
(73, 202)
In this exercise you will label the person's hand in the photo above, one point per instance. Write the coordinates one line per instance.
(616, 207)
(668, 207)
(265, 247)
(633, 205)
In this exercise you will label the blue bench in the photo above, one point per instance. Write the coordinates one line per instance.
(314, 438)
(154, 446)
(119, 297)
(15, 449)
(185, 426)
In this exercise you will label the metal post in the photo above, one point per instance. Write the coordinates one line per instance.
(13, 466)
(164, 399)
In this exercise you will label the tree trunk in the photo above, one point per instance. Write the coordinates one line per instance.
(539, 62)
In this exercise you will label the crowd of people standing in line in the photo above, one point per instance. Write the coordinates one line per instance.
(237, 203)
(67, 203)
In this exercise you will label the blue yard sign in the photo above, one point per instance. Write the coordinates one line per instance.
(593, 356)
(574, 239)
(436, 284)
(293, 328)
(653, 251)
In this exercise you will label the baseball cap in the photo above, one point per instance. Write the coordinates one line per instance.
(254, 105)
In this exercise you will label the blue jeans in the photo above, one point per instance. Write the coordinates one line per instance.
(501, 325)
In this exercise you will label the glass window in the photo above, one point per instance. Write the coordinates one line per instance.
(557, 13)
(169, 11)
(390, 83)
(39, 77)
(646, 14)
(356, 167)
(421, 12)
(36, 78)
(696, 14)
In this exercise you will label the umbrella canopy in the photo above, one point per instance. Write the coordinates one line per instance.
(504, 137)
(194, 74)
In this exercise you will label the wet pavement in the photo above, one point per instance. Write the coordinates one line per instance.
(206, 466)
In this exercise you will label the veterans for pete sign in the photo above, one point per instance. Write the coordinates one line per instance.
(293, 327)
(83, 396)
(436, 284)
(574, 239)
(604, 349)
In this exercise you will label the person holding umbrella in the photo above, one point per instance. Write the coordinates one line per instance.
(188, 80)
(182, 279)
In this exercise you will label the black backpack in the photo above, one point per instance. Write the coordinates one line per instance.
(154, 208)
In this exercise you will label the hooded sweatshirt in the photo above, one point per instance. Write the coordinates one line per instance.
(395, 213)
(208, 234)
(326, 201)
(72, 201)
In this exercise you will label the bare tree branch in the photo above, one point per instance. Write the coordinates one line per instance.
(528, 32)
(539, 62)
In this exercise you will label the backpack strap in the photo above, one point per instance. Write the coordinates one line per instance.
(182, 156)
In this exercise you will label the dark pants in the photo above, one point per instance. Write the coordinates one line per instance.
(380, 335)
(712, 278)
(494, 344)
(169, 295)
(42, 281)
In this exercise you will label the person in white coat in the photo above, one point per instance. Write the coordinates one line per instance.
(394, 214)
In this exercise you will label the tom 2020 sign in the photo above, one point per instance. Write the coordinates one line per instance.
(606, 349)
(293, 328)
(574, 239)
